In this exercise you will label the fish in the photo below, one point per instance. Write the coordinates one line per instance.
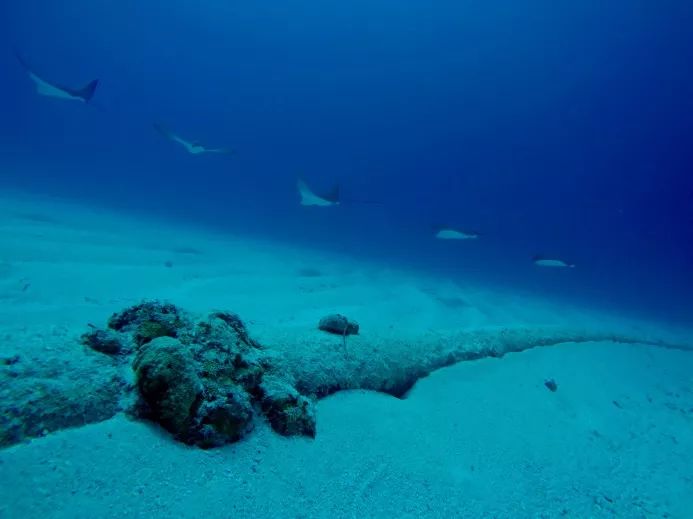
(453, 233)
(50, 89)
(544, 261)
(310, 198)
(192, 147)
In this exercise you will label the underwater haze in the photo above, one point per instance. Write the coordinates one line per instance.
(359, 259)
(549, 129)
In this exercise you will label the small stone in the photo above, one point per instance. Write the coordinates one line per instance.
(338, 324)
(551, 385)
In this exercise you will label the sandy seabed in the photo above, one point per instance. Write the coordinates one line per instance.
(483, 438)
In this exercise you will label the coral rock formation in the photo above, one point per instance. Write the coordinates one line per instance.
(204, 381)
(207, 381)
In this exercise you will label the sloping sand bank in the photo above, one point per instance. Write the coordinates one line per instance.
(478, 439)
(64, 266)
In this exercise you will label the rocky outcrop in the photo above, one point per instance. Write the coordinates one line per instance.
(206, 381)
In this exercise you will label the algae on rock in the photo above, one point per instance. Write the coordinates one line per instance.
(205, 386)
(168, 384)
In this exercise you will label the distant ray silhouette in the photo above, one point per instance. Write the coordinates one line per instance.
(447, 232)
(50, 89)
(310, 198)
(334, 197)
(191, 146)
(545, 261)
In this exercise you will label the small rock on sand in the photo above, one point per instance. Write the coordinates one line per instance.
(338, 324)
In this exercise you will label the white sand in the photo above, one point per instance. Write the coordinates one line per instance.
(481, 439)
(68, 265)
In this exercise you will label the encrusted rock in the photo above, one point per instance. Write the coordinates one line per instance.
(224, 328)
(201, 380)
(338, 324)
(289, 412)
(203, 389)
(165, 314)
(104, 341)
(149, 320)
(147, 331)
(237, 325)
(225, 415)
(168, 383)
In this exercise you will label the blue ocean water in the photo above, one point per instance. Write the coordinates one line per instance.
(549, 128)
